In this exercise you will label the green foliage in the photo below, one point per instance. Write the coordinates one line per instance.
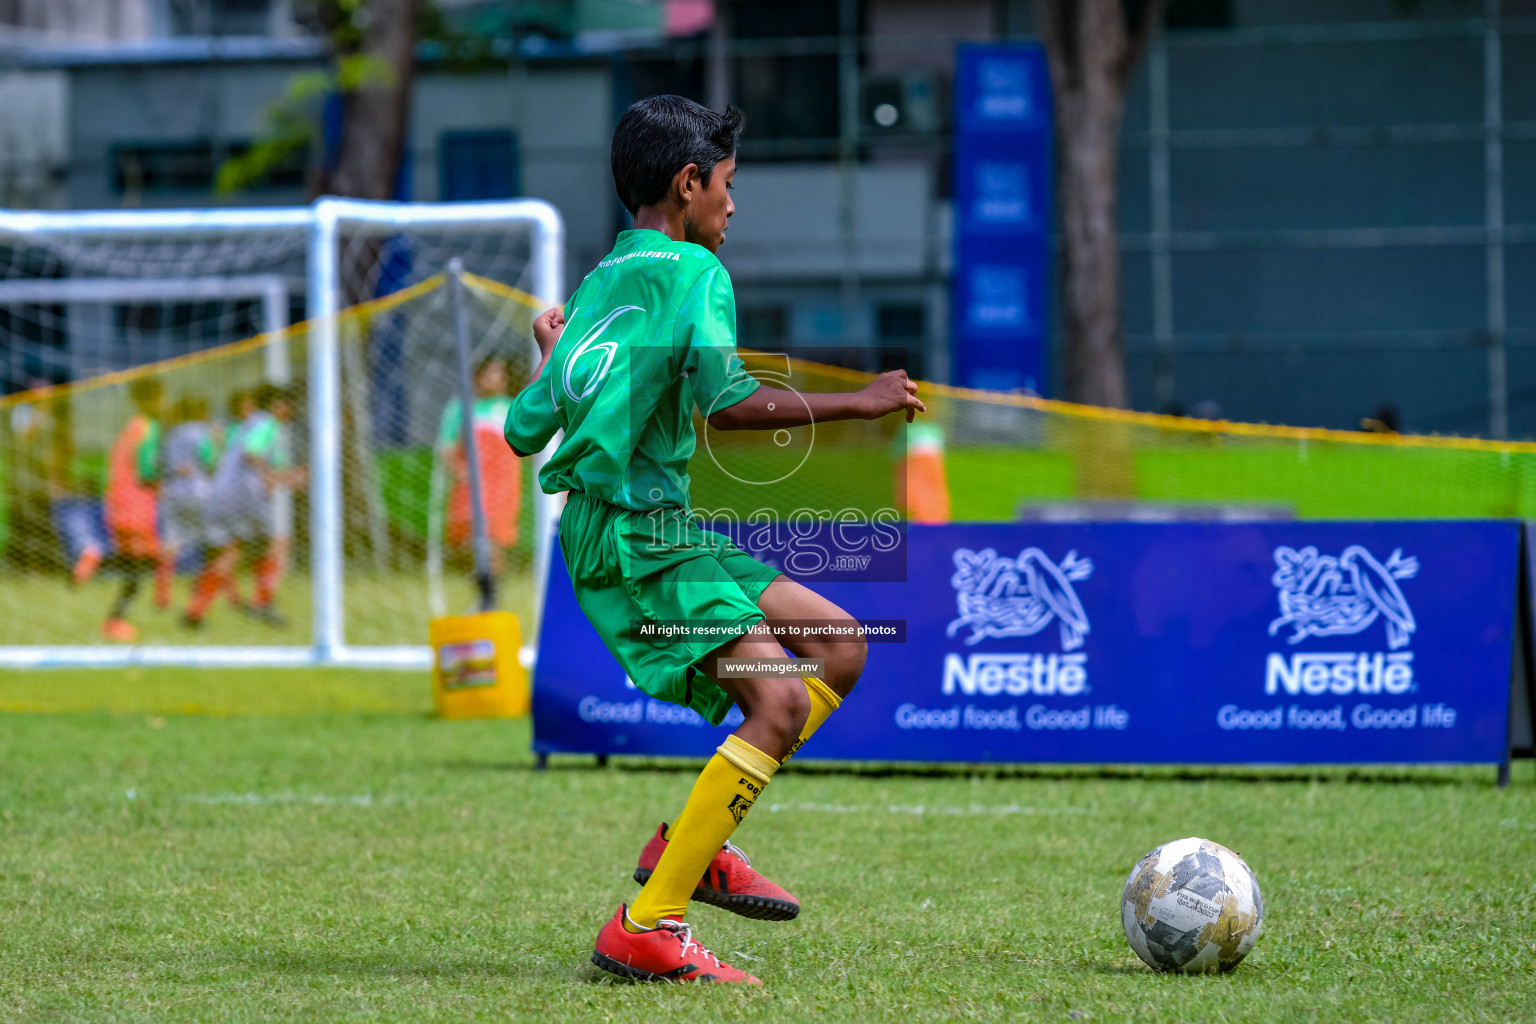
(291, 124)
(389, 867)
(466, 46)
(345, 20)
(466, 43)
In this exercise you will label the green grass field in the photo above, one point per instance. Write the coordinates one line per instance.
(379, 608)
(386, 866)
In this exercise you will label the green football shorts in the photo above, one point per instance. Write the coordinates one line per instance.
(662, 593)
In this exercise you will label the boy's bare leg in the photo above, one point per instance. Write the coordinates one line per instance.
(781, 713)
(165, 575)
(217, 575)
(775, 711)
(117, 626)
(269, 572)
(773, 708)
(844, 659)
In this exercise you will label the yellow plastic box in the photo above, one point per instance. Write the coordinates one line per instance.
(475, 668)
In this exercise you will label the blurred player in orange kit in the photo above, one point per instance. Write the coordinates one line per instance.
(500, 475)
(133, 476)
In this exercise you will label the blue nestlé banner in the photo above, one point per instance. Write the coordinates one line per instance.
(1335, 642)
(1002, 189)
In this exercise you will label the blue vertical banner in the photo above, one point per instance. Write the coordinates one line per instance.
(1003, 202)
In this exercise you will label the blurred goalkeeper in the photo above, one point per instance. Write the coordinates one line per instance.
(239, 514)
(649, 335)
(187, 465)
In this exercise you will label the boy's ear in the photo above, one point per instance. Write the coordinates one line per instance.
(685, 184)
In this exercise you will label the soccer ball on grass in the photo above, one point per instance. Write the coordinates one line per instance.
(1192, 906)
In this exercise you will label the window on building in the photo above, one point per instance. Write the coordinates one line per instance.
(639, 78)
(902, 328)
(791, 104)
(790, 98)
(912, 103)
(761, 326)
(778, 19)
(478, 165)
(784, 76)
(190, 165)
(901, 321)
(1197, 13)
(222, 18)
(36, 344)
(175, 327)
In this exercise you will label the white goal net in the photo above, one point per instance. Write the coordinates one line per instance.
(234, 436)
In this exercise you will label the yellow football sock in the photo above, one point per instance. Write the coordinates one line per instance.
(823, 702)
(721, 797)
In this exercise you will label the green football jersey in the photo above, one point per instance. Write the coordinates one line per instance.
(265, 439)
(649, 334)
(488, 411)
(148, 455)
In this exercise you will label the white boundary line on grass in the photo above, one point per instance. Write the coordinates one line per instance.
(270, 799)
(414, 659)
(922, 809)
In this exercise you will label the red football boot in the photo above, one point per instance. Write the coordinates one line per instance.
(86, 565)
(665, 953)
(728, 883)
(120, 630)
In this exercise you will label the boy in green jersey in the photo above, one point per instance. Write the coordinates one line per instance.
(649, 335)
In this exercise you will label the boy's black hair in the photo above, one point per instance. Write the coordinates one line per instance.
(659, 136)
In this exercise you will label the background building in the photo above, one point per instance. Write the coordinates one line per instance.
(1325, 207)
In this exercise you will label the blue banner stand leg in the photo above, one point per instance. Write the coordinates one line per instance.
(1522, 681)
(540, 762)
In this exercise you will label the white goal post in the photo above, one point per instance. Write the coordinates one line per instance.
(320, 229)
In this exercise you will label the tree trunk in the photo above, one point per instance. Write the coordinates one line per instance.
(1089, 122)
(1092, 54)
(375, 55)
(375, 114)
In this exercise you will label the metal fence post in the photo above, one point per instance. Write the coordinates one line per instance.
(1165, 382)
(1493, 188)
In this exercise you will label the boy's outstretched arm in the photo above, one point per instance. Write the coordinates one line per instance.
(771, 408)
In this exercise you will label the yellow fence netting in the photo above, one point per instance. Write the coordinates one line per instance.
(998, 457)
(62, 497)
